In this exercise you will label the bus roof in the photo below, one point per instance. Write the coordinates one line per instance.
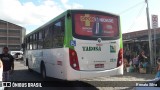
(81, 10)
(63, 14)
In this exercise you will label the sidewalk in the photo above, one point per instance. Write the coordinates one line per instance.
(139, 76)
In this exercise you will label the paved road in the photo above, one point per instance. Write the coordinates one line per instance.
(22, 74)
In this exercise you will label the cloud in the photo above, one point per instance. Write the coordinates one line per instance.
(76, 6)
(29, 13)
(64, 1)
(71, 6)
(140, 23)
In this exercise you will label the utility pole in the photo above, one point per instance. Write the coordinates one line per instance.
(149, 35)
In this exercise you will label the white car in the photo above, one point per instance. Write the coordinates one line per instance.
(18, 55)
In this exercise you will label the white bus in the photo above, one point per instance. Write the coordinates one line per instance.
(76, 44)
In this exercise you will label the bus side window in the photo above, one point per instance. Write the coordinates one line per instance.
(58, 34)
(40, 40)
(48, 38)
(34, 41)
(55, 35)
(37, 40)
(62, 32)
(27, 43)
(31, 42)
(63, 25)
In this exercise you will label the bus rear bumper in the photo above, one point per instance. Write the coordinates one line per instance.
(78, 75)
(92, 74)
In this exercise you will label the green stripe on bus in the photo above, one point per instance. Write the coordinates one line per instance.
(68, 33)
(121, 40)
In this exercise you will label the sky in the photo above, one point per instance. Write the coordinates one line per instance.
(31, 14)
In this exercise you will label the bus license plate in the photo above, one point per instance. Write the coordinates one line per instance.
(99, 65)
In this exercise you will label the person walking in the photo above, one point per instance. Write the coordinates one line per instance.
(135, 63)
(8, 64)
(143, 63)
(1, 70)
(1, 73)
(142, 57)
(158, 69)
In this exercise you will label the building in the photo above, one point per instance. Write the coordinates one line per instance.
(11, 35)
(140, 35)
(137, 41)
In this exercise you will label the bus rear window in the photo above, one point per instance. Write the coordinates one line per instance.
(93, 25)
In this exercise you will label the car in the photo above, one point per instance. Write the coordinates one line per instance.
(18, 55)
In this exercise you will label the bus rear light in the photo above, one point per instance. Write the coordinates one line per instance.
(120, 58)
(73, 54)
(73, 59)
(74, 65)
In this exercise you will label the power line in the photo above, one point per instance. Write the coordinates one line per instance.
(132, 7)
(138, 15)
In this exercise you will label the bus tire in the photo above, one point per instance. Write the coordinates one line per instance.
(43, 71)
(29, 69)
(27, 64)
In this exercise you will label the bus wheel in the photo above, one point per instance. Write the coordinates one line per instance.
(29, 69)
(43, 71)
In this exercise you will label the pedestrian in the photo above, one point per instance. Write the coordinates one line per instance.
(128, 56)
(1, 70)
(142, 62)
(125, 63)
(8, 64)
(142, 57)
(135, 63)
(158, 69)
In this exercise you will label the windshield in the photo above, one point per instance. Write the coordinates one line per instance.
(95, 25)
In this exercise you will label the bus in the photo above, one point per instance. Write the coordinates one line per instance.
(77, 44)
